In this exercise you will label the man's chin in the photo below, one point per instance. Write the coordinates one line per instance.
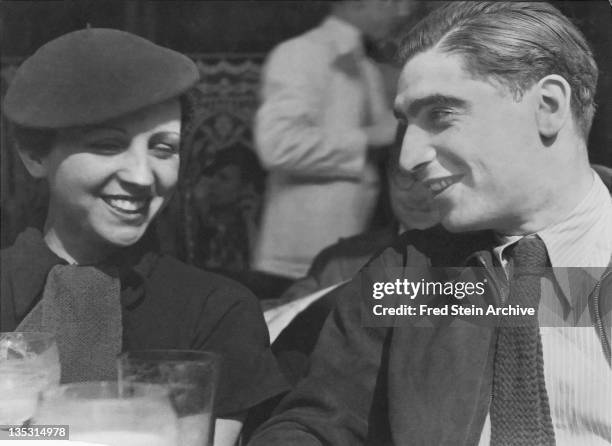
(453, 224)
(422, 222)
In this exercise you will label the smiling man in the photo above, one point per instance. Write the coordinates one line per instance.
(495, 100)
(500, 151)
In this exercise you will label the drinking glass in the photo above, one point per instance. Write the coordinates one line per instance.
(29, 364)
(105, 412)
(190, 376)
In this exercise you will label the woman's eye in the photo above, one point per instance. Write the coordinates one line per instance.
(107, 146)
(164, 144)
(164, 150)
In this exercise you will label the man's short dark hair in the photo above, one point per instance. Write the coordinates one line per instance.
(512, 43)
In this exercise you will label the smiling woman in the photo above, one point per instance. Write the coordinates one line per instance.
(108, 181)
(97, 115)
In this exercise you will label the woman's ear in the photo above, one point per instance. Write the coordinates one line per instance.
(553, 108)
(34, 163)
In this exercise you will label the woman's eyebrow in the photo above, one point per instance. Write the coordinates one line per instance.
(100, 128)
(167, 132)
(163, 134)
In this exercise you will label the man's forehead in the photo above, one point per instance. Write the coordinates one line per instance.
(437, 74)
(434, 73)
(432, 69)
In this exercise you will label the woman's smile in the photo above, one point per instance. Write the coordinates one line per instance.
(128, 204)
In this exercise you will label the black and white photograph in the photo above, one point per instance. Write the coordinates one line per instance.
(306, 223)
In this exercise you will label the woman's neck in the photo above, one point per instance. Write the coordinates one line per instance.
(73, 251)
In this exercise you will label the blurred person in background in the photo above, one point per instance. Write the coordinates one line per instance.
(325, 113)
(227, 199)
(413, 211)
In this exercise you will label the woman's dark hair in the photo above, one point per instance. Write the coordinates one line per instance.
(37, 142)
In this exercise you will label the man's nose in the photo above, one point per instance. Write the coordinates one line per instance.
(417, 151)
(136, 167)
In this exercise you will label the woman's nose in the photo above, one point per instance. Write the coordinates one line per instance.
(136, 167)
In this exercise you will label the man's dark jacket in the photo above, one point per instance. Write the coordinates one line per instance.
(407, 385)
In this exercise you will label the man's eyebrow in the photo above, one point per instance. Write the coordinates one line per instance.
(415, 107)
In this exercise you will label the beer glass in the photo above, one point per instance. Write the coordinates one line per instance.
(104, 412)
(29, 364)
(190, 377)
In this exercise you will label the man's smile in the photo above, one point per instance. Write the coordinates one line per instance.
(438, 185)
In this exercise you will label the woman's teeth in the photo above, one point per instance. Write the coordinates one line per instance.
(127, 204)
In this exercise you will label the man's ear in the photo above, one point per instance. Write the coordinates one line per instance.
(35, 164)
(553, 108)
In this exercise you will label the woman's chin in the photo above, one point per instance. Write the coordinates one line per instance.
(124, 239)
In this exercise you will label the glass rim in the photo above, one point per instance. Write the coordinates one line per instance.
(170, 356)
(36, 342)
(105, 390)
(39, 335)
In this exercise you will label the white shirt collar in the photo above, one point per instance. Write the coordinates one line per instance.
(346, 37)
(583, 238)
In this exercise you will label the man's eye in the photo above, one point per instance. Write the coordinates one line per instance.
(439, 116)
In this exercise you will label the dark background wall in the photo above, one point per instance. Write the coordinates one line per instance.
(187, 26)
